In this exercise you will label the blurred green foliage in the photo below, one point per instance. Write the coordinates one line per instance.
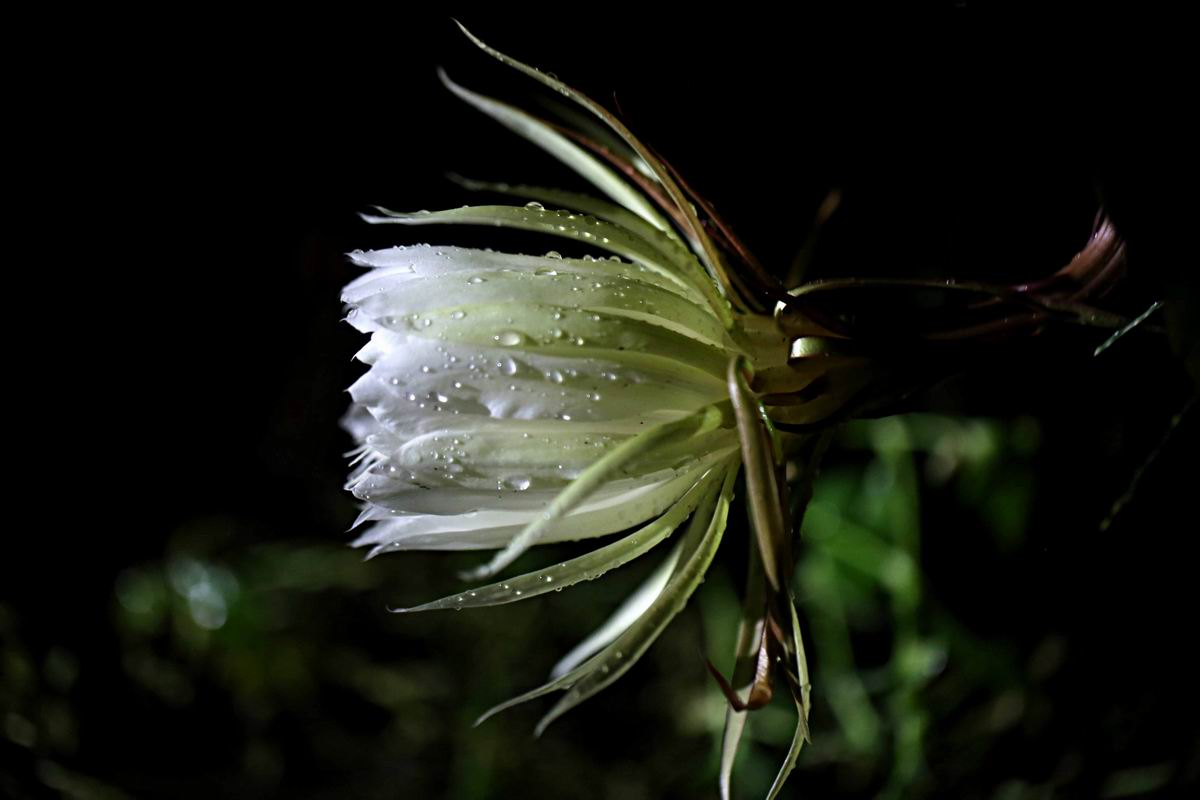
(273, 669)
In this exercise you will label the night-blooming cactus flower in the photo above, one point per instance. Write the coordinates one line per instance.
(513, 400)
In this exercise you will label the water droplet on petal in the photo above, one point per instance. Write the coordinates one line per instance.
(509, 338)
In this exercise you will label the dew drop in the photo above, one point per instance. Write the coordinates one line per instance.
(476, 279)
(518, 483)
(458, 315)
(535, 206)
(509, 338)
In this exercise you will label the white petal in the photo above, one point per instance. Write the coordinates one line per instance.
(490, 528)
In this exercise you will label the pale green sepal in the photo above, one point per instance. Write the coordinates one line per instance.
(698, 548)
(584, 204)
(762, 487)
(630, 609)
(562, 148)
(802, 707)
(708, 252)
(793, 753)
(749, 637)
(585, 229)
(585, 567)
(604, 468)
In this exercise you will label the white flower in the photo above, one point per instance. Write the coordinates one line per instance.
(513, 400)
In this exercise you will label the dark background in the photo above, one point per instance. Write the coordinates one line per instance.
(197, 188)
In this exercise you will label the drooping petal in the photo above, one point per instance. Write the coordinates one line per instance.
(749, 636)
(701, 530)
(593, 478)
(467, 526)
(417, 385)
(586, 567)
(586, 286)
(802, 706)
(698, 548)
(481, 459)
(586, 230)
(629, 611)
(393, 266)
